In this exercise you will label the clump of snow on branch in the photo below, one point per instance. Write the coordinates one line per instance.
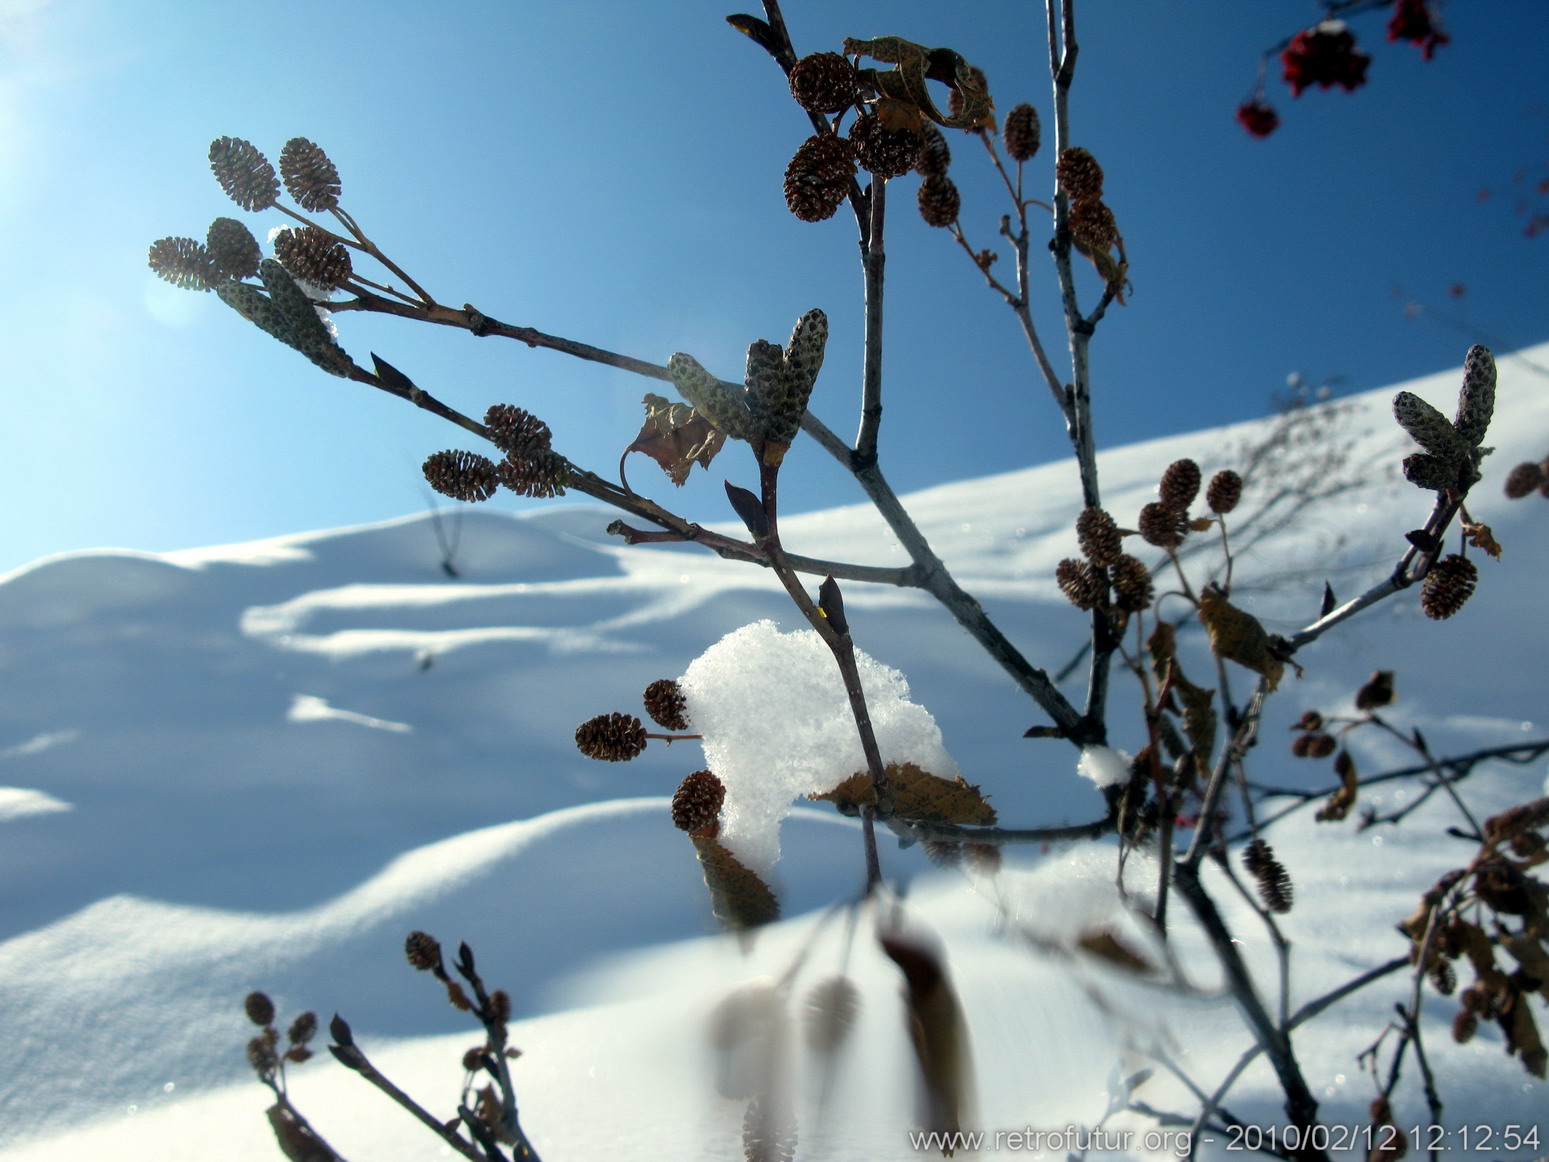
(1104, 766)
(777, 725)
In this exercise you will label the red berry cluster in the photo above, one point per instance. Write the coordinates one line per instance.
(1324, 55)
(1258, 117)
(1412, 21)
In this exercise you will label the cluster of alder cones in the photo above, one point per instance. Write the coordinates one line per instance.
(886, 145)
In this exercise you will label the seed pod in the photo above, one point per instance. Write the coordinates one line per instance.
(514, 429)
(1079, 175)
(259, 1008)
(1430, 472)
(309, 176)
(1162, 526)
(1180, 485)
(233, 250)
(1476, 401)
(825, 82)
(1098, 537)
(613, 738)
(1429, 428)
(818, 178)
(1274, 882)
(1464, 1025)
(1092, 225)
(183, 262)
(461, 475)
(887, 153)
(1224, 492)
(1521, 480)
(697, 801)
(935, 154)
(423, 951)
(1377, 692)
(244, 173)
(1083, 584)
(302, 1029)
(712, 399)
(939, 201)
(1132, 584)
(1022, 133)
(1447, 586)
(665, 703)
(314, 256)
(1314, 745)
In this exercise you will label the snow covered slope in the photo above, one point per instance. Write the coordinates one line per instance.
(261, 765)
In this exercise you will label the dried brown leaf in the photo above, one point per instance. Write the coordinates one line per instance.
(1481, 537)
(739, 898)
(1340, 802)
(917, 794)
(1238, 637)
(677, 437)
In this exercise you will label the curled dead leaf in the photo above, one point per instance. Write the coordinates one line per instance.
(677, 437)
(917, 795)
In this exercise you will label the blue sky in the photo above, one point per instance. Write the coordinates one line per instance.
(612, 173)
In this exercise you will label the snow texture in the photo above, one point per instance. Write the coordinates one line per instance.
(1105, 766)
(777, 725)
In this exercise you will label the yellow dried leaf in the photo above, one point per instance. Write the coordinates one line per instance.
(918, 795)
(1238, 637)
(1481, 537)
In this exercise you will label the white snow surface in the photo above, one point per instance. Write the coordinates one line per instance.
(262, 765)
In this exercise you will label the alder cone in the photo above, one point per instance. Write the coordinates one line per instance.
(1092, 225)
(697, 801)
(888, 153)
(1022, 133)
(1079, 175)
(1162, 525)
(817, 180)
(1224, 492)
(233, 250)
(309, 176)
(244, 173)
(825, 82)
(613, 738)
(462, 475)
(939, 201)
(935, 154)
(1098, 536)
(665, 703)
(1180, 484)
(313, 256)
(1448, 585)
